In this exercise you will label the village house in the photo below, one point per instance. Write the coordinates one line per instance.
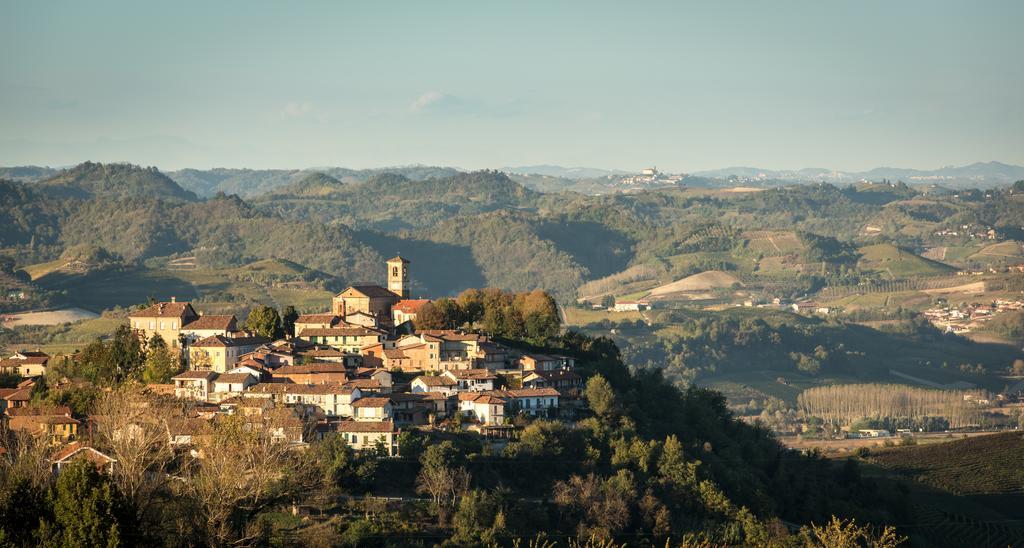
(220, 353)
(209, 326)
(565, 381)
(194, 385)
(363, 436)
(165, 319)
(544, 362)
(231, 384)
(316, 321)
(472, 380)
(409, 409)
(534, 401)
(405, 310)
(345, 339)
(13, 398)
(25, 363)
(77, 451)
(442, 384)
(333, 400)
(368, 385)
(324, 354)
(382, 376)
(54, 424)
(486, 409)
(372, 408)
(312, 373)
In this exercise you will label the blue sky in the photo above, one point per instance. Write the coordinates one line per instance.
(685, 86)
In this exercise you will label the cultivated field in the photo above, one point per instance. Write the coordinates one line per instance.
(51, 317)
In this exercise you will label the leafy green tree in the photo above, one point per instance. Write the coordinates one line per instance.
(601, 397)
(288, 320)
(87, 510)
(161, 364)
(264, 320)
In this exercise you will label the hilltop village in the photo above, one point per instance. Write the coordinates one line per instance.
(361, 369)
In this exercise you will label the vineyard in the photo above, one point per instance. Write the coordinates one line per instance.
(770, 243)
(980, 465)
(917, 284)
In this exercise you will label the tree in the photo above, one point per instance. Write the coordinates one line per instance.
(88, 510)
(608, 301)
(264, 320)
(161, 364)
(442, 482)
(288, 320)
(839, 533)
(601, 397)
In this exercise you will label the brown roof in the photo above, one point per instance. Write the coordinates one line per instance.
(480, 397)
(232, 377)
(407, 396)
(395, 353)
(193, 374)
(364, 384)
(371, 402)
(435, 380)
(75, 447)
(475, 374)
(532, 392)
(19, 394)
(366, 426)
(329, 319)
(310, 369)
(39, 410)
(164, 310)
(291, 388)
(369, 291)
(221, 341)
(222, 323)
(409, 306)
(338, 332)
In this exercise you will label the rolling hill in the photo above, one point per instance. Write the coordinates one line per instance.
(898, 263)
(91, 180)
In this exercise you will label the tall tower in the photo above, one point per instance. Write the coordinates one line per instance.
(398, 276)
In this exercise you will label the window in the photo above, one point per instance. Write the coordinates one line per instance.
(174, 325)
(152, 325)
(394, 271)
(366, 439)
(161, 325)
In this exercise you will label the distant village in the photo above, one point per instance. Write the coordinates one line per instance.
(360, 369)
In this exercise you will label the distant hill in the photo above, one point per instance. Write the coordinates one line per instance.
(899, 263)
(90, 179)
(313, 184)
(248, 183)
(27, 173)
(978, 175)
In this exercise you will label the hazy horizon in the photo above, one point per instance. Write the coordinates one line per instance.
(688, 87)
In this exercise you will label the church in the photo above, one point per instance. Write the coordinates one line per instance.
(371, 305)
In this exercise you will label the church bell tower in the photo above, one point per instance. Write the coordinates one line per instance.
(398, 277)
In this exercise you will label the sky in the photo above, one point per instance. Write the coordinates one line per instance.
(685, 86)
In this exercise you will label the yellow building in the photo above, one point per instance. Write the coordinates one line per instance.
(375, 300)
(345, 339)
(55, 424)
(219, 353)
(165, 319)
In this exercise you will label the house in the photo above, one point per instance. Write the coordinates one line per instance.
(53, 423)
(442, 384)
(372, 300)
(544, 362)
(324, 354)
(316, 321)
(383, 376)
(25, 364)
(333, 400)
(630, 306)
(360, 318)
(565, 381)
(345, 339)
(14, 398)
(208, 326)
(410, 409)
(76, 451)
(194, 385)
(312, 373)
(220, 353)
(534, 401)
(405, 310)
(487, 409)
(165, 319)
(372, 409)
(369, 385)
(232, 384)
(362, 436)
(473, 380)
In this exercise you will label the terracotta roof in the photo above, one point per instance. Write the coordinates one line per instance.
(39, 410)
(310, 369)
(222, 323)
(338, 332)
(193, 374)
(19, 394)
(329, 319)
(394, 353)
(221, 341)
(291, 388)
(163, 310)
(435, 380)
(366, 426)
(371, 402)
(452, 335)
(227, 378)
(369, 291)
(364, 384)
(480, 397)
(75, 447)
(473, 374)
(409, 306)
(532, 392)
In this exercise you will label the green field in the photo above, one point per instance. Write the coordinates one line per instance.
(580, 316)
(898, 263)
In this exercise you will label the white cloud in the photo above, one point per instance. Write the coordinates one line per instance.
(435, 100)
(296, 109)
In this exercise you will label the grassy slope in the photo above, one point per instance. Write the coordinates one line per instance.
(899, 263)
